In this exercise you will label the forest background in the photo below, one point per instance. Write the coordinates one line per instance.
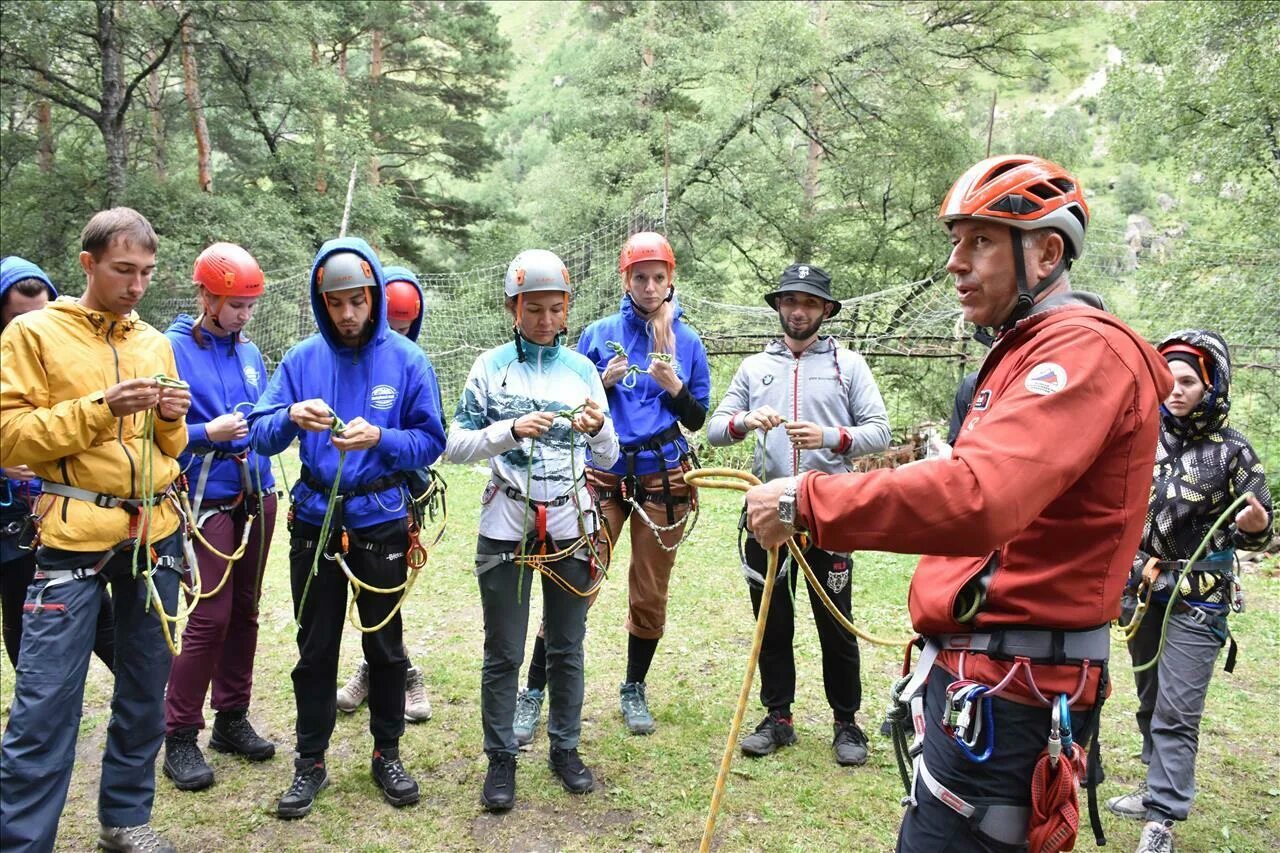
(754, 134)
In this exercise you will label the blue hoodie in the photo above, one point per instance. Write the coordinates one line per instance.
(225, 376)
(388, 381)
(404, 274)
(642, 412)
(14, 269)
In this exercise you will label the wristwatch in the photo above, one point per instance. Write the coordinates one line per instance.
(787, 505)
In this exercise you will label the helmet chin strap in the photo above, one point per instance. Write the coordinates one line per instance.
(1027, 295)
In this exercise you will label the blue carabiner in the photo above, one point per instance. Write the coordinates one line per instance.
(8, 493)
(1064, 712)
(989, 721)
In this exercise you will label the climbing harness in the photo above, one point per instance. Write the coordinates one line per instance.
(593, 543)
(430, 504)
(1176, 594)
(630, 493)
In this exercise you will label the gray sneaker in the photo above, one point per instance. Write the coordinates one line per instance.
(352, 694)
(1130, 805)
(417, 707)
(528, 713)
(129, 839)
(635, 709)
(1157, 837)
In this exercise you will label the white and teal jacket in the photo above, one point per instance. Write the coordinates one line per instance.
(501, 388)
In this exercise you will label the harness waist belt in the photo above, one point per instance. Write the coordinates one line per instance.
(1040, 645)
(99, 499)
(1216, 567)
(379, 485)
(657, 442)
(517, 495)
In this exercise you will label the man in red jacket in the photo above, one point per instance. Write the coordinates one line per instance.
(1031, 525)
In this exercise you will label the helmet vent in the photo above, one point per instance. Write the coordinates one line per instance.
(1044, 191)
(1015, 204)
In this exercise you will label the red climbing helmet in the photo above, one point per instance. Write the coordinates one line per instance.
(646, 246)
(227, 270)
(404, 303)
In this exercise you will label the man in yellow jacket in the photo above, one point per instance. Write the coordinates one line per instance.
(77, 385)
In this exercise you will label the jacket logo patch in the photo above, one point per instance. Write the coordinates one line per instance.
(768, 379)
(983, 400)
(1046, 378)
(251, 375)
(382, 397)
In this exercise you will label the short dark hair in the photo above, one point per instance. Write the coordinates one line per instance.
(28, 287)
(123, 223)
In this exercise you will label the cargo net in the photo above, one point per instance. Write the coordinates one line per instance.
(911, 334)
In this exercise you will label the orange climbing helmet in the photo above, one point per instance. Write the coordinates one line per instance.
(403, 302)
(227, 270)
(646, 246)
(1023, 192)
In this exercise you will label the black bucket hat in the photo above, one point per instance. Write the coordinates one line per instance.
(804, 278)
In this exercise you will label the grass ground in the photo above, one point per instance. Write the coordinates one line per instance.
(653, 792)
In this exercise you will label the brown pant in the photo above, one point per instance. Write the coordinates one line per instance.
(650, 570)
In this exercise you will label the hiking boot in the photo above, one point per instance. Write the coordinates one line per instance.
(129, 839)
(635, 710)
(417, 707)
(1157, 837)
(309, 779)
(573, 774)
(184, 762)
(398, 787)
(528, 714)
(1130, 805)
(499, 792)
(849, 745)
(233, 734)
(352, 694)
(774, 731)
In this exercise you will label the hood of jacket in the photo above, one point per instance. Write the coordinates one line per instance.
(378, 311)
(14, 269)
(405, 274)
(1210, 414)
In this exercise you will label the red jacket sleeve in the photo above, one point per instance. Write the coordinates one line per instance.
(1011, 459)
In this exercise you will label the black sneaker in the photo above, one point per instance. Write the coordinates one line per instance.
(499, 793)
(774, 731)
(234, 735)
(309, 779)
(849, 745)
(184, 762)
(398, 787)
(574, 775)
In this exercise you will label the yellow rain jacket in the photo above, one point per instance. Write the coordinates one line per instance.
(55, 367)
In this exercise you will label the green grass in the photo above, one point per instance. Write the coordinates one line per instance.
(653, 792)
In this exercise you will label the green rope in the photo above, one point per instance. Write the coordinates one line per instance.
(1177, 587)
(322, 542)
(633, 370)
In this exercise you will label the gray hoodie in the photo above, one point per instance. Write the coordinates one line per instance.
(827, 385)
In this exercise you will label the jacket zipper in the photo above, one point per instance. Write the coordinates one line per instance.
(120, 428)
(795, 411)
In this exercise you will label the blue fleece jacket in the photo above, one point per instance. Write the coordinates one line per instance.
(405, 274)
(225, 376)
(14, 269)
(642, 412)
(388, 381)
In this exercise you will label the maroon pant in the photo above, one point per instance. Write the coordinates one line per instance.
(221, 637)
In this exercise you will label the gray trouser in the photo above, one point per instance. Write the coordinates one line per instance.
(506, 625)
(1170, 703)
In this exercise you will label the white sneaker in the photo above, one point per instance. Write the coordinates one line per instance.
(352, 694)
(1157, 837)
(417, 707)
(1130, 805)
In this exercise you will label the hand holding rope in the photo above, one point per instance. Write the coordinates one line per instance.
(634, 370)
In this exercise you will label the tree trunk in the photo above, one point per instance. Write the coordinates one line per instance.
(375, 76)
(111, 117)
(318, 119)
(156, 115)
(44, 131)
(191, 86)
(807, 236)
